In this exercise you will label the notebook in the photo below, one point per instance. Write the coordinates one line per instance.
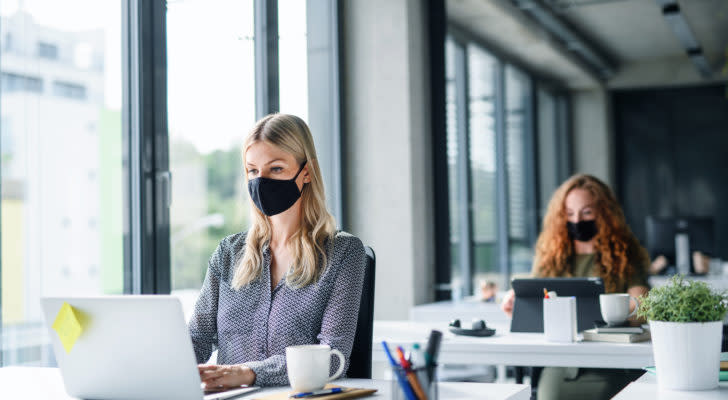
(347, 393)
(591, 335)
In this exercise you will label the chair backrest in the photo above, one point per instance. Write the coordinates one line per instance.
(360, 365)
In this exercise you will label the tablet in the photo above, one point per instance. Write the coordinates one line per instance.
(528, 305)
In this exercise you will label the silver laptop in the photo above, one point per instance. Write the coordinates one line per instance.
(130, 347)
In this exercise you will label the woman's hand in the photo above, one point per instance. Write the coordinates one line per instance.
(222, 377)
(507, 303)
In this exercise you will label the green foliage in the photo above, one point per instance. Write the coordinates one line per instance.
(683, 300)
(224, 194)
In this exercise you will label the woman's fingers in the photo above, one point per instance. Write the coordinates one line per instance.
(220, 376)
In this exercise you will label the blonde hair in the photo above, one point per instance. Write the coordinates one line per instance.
(290, 134)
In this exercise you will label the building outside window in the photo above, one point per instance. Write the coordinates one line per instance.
(47, 50)
(62, 233)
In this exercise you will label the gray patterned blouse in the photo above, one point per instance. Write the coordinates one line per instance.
(253, 325)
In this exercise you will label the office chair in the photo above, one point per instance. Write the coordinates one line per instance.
(360, 364)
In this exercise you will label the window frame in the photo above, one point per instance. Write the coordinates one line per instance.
(462, 38)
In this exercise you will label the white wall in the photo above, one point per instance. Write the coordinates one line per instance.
(387, 182)
(593, 138)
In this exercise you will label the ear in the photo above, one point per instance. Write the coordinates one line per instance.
(306, 175)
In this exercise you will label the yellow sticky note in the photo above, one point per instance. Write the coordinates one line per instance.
(67, 326)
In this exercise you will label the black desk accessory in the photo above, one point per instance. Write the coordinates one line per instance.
(478, 328)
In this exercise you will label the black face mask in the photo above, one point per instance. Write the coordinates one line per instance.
(273, 196)
(582, 231)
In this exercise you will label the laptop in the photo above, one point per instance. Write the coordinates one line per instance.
(528, 305)
(130, 347)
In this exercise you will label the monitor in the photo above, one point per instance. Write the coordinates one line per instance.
(663, 231)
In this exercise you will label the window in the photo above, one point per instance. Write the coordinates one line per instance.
(8, 42)
(293, 55)
(519, 177)
(482, 72)
(553, 143)
(452, 52)
(62, 233)
(208, 119)
(69, 90)
(491, 161)
(85, 164)
(47, 50)
(16, 82)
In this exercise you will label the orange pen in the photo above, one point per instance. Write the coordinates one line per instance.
(411, 377)
(545, 293)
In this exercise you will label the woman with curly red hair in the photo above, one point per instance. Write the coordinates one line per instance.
(585, 234)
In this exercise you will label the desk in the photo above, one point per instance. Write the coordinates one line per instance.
(465, 309)
(46, 383)
(646, 388)
(508, 348)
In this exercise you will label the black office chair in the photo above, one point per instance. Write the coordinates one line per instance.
(360, 365)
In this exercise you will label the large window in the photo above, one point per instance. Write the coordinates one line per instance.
(482, 70)
(293, 56)
(492, 159)
(521, 207)
(102, 109)
(211, 102)
(213, 81)
(61, 103)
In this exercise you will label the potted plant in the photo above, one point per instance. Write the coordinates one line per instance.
(686, 322)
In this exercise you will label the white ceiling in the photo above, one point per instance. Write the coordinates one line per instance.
(503, 27)
(635, 30)
(631, 32)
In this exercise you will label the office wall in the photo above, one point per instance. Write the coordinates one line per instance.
(671, 146)
(593, 140)
(664, 72)
(388, 177)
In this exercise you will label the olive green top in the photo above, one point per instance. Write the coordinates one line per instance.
(586, 265)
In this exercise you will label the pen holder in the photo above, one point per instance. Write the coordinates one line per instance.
(559, 319)
(426, 378)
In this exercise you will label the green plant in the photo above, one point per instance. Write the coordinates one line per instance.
(683, 300)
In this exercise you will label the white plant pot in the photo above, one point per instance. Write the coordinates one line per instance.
(687, 354)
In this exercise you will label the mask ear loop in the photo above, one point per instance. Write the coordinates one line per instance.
(299, 171)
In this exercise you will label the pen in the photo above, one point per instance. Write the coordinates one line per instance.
(545, 293)
(417, 357)
(315, 393)
(433, 347)
(400, 377)
(411, 377)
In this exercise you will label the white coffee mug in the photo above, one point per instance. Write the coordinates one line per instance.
(309, 365)
(615, 307)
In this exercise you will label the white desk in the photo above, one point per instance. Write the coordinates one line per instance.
(466, 310)
(46, 383)
(511, 348)
(646, 388)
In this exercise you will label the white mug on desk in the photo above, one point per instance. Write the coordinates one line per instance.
(308, 366)
(615, 307)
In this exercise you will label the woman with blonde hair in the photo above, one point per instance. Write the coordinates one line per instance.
(585, 234)
(290, 279)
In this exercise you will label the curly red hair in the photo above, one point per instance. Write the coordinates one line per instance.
(618, 251)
